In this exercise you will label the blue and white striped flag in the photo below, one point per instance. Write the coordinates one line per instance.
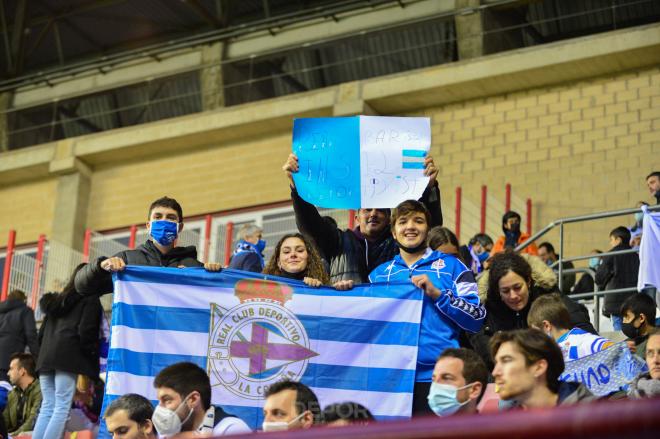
(249, 331)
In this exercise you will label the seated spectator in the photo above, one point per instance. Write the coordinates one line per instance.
(129, 417)
(586, 282)
(184, 404)
(295, 257)
(17, 329)
(647, 385)
(528, 365)
(617, 272)
(346, 413)
(25, 399)
(451, 303)
(549, 256)
(638, 313)
(353, 254)
(477, 252)
(290, 405)
(653, 183)
(459, 378)
(509, 287)
(443, 240)
(165, 222)
(248, 254)
(513, 236)
(549, 314)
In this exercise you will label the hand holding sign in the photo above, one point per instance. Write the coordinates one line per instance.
(361, 161)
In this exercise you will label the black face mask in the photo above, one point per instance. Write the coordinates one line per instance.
(629, 329)
(412, 250)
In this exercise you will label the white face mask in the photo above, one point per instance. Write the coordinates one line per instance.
(167, 422)
(280, 425)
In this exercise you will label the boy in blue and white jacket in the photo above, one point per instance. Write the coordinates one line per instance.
(451, 299)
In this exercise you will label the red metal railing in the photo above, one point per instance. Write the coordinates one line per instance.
(351, 219)
(207, 237)
(529, 216)
(87, 244)
(484, 195)
(457, 217)
(38, 266)
(229, 236)
(11, 244)
(132, 237)
(507, 197)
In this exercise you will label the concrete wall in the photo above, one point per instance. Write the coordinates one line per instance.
(574, 149)
(28, 208)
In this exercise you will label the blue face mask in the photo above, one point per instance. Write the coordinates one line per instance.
(593, 263)
(442, 399)
(483, 256)
(164, 232)
(260, 246)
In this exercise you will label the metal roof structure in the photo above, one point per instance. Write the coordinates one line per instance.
(86, 34)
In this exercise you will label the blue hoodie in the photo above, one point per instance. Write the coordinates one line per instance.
(457, 308)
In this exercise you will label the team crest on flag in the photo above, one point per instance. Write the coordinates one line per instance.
(258, 342)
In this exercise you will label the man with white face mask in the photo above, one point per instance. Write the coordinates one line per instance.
(290, 406)
(459, 378)
(184, 404)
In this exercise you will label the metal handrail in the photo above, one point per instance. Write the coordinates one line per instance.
(576, 219)
(596, 255)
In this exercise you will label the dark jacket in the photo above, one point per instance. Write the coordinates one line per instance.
(584, 285)
(350, 254)
(92, 279)
(573, 393)
(17, 330)
(616, 272)
(568, 279)
(499, 317)
(22, 408)
(70, 334)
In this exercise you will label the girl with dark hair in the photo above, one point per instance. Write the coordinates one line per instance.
(508, 289)
(69, 340)
(295, 257)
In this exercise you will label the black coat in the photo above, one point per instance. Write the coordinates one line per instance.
(616, 272)
(499, 317)
(17, 330)
(70, 334)
(92, 279)
(351, 256)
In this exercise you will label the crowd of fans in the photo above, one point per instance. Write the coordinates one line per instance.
(513, 328)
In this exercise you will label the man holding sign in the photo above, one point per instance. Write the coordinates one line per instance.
(329, 151)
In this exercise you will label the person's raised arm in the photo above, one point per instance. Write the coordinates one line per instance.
(431, 196)
(308, 219)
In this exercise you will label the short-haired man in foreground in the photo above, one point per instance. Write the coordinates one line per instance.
(164, 223)
(647, 385)
(549, 314)
(528, 365)
(129, 417)
(184, 404)
(290, 406)
(460, 378)
(24, 400)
